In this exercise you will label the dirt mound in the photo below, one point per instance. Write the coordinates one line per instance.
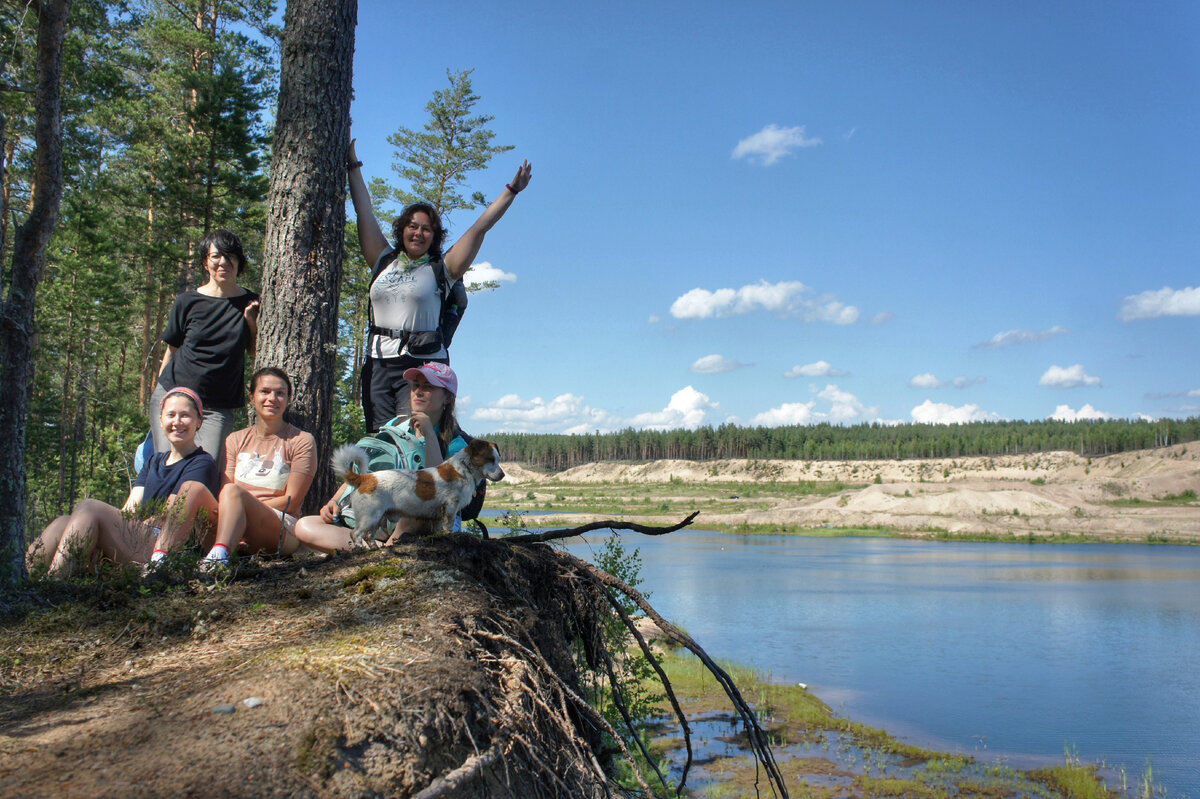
(443, 666)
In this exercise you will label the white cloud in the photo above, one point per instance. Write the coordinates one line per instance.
(715, 364)
(788, 413)
(772, 143)
(1195, 392)
(484, 272)
(1064, 413)
(654, 319)
(1164, 302)
(927, 380)
(844, 408)
(1010, 337)
(882, 318)
(564, 413)
(786, 298)
(1068, 377)
(818, 369)
(687, 408)
(930, 412)
(967, 382)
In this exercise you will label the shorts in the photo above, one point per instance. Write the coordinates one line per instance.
(289, 521)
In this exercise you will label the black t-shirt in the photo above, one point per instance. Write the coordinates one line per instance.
(211, 337)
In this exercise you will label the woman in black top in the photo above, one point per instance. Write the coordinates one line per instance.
(209, 333)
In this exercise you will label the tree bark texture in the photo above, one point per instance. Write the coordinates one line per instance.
(306, 217)
(28, 262)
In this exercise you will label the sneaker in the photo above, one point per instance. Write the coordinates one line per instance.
(214, 567)
(155, 569)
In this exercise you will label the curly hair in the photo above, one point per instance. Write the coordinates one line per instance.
(435, 220)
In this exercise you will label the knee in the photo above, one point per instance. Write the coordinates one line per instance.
(195, 493)
(232, 494)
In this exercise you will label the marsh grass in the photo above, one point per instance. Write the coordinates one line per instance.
(823, 754)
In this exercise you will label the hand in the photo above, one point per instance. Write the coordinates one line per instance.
(251, 313)
(329, 510)
(421, 424)
(524, 175)
(352, 156)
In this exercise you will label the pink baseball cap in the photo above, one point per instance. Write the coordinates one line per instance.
(438, 374)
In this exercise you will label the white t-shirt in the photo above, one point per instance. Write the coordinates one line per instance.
(405, 297)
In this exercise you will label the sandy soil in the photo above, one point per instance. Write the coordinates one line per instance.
(1041, 495)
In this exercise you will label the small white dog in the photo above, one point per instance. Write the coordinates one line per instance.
(436, 493)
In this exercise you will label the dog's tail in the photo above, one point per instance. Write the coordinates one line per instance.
(349, 455)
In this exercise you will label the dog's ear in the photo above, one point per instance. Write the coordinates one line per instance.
(480, 451)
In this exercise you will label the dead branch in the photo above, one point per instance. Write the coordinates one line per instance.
(553, 535)
(457, 778)
(758, 742)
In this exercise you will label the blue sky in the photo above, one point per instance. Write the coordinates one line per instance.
(791, 212)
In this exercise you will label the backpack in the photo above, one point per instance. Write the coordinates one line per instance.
(454, 305)
(395, 446)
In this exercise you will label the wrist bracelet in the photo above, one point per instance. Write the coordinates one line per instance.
(510, 188)
(354, 165)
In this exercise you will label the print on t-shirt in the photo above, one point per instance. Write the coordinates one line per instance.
(264, 471)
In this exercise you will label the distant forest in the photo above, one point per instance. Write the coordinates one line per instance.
(855, 442)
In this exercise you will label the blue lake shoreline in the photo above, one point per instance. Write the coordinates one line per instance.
(1014, 654)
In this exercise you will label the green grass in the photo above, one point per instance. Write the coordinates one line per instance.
(882, 766)
(1187, 497)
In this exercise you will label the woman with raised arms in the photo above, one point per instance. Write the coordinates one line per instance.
(406, 304)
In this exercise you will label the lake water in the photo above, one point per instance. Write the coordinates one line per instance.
(1006, 652)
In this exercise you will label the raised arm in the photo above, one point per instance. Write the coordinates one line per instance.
(462, 254)
(370, 236)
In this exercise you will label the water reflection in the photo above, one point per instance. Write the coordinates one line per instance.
(1020, 650)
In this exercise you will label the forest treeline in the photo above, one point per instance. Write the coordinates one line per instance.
(851, 442)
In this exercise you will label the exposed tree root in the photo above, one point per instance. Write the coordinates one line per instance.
(606, 584)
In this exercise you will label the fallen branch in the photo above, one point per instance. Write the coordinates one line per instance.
(553, 535)
(457, 778)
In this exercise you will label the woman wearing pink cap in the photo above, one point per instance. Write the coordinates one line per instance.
(176, 486)
(432, 390)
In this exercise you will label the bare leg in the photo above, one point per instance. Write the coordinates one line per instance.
(95, 526)
(42, 550)
(193, 508)
(242, 517)
(313, 532)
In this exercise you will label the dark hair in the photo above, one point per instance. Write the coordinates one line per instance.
(226, 242)
(271, 371)
(439, 232)
(448, 423)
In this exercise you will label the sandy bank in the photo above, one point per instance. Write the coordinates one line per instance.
(1117, 496)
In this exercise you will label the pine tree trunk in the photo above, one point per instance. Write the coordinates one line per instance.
(29, 258)
(303, 248)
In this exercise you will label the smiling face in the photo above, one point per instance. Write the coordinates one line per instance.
(427, 398)
(180, 421)
(221, 267)
(269, 395)
(418, 235)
